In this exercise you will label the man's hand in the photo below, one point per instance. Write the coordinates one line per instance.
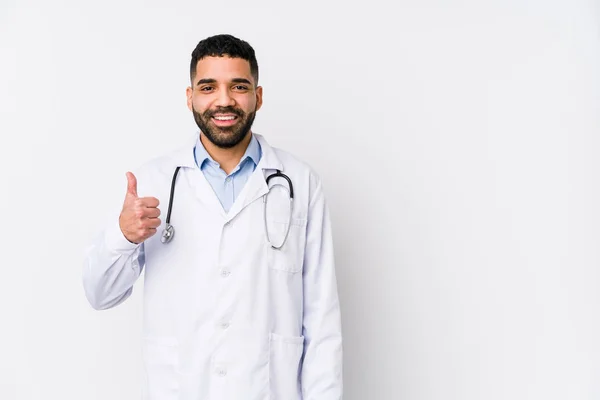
(139, 217)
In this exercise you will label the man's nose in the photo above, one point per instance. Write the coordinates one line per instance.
(225, 99)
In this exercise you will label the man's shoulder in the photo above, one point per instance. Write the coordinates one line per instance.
(294, 164)
(290, 159)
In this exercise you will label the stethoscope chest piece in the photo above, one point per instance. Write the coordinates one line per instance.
(167, 234)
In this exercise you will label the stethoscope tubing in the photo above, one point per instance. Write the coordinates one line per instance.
(169, 231)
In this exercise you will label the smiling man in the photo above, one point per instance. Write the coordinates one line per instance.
(242, 303)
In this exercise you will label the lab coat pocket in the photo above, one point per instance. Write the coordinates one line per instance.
(161, 363)
(285, 355)
(290, 256)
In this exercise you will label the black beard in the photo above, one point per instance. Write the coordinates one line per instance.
(226, 137)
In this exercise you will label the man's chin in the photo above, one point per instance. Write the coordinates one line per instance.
(224, 139)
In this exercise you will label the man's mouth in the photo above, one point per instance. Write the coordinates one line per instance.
(224, 119)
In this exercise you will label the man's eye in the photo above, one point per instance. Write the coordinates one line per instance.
(206, 89)
(240, 87)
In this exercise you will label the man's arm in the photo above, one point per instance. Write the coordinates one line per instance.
(112, 266)
(115, 261)
(321, 376)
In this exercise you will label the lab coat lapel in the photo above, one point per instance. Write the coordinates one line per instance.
(204, 192)
(184, 157)
(256, 187)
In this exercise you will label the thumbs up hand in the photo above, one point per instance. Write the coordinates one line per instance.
(139, 216)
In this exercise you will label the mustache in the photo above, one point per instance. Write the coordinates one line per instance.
(223, 110)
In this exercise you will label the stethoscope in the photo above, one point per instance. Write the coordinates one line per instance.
(168, 232)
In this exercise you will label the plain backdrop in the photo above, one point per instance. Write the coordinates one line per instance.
(457, 141)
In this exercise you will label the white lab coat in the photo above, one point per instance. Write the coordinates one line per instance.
(227, 317)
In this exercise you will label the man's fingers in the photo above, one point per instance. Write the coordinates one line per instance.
(147, 202)
(144, 213)
(154, 223)
(131, 184)
(151, 213)
(151, 231)
(147, 223)
(145, 233)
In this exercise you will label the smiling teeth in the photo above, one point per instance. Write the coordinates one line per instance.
(224, 118)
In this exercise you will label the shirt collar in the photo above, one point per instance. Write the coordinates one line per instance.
(184, 155)
(253, 152)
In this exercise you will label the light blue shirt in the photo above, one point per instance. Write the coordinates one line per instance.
(228, 187)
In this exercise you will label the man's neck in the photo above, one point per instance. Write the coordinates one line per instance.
(228, 159)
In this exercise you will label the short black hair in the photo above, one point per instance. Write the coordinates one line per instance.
(224, 45)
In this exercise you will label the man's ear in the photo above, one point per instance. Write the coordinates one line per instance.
(188, 94)
(259, 97)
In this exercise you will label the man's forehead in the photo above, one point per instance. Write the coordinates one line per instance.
(222, 66)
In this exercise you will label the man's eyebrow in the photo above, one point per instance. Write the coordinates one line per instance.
(205, 80)
(241, 80)
(234, 80)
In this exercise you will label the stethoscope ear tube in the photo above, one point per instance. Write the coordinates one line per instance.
(284, 176)
(279, 174)
(289, 221)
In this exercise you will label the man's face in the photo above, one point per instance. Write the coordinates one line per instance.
(223, 99)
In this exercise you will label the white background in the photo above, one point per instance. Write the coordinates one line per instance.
(457, 141)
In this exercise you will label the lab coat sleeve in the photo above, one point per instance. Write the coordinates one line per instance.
(111, 267)
(321, 377)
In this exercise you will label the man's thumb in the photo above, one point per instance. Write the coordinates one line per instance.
(131, 184)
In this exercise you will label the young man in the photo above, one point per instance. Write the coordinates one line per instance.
(241, 302)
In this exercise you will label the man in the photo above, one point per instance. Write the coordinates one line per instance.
(242, 303)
